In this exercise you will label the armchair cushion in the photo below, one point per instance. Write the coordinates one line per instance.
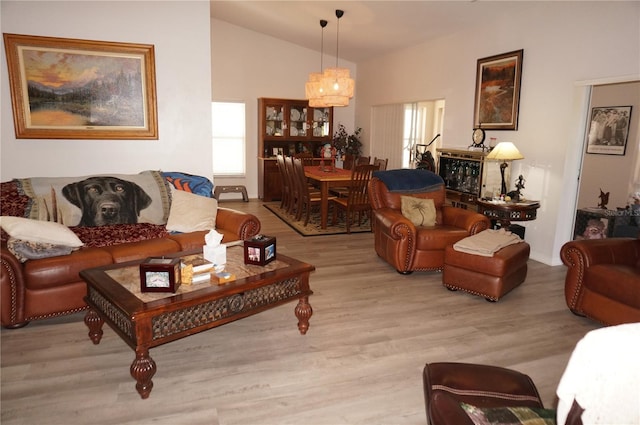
(509, 415)
(421, 212)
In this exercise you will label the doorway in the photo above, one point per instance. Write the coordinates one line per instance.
(609, 175)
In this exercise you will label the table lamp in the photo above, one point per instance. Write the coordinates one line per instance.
(504, 151)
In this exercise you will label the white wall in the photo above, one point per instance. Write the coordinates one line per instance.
(247, 65)
(564, 43)
(179, 30)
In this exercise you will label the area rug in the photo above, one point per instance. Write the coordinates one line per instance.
(313, 227)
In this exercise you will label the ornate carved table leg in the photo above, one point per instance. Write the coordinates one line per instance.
(142, 370)
(94, 322)
(303, 313)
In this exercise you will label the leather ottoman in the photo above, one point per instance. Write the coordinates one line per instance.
(488, 277)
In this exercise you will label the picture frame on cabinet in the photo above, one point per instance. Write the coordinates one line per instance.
(63, 88)
(497, 94)
(609, 130)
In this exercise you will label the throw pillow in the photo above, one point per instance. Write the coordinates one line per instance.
(510, 415)
(421, 212)
(27, 250)
(191, 212)
(39, 231)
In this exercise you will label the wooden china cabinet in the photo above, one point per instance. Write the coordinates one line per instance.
(289, 127)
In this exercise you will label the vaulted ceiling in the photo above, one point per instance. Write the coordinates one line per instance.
(368, 28)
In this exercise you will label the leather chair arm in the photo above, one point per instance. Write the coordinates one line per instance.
(471, 221)
(395, 224)
(243, 224)
(579, 255)
(12, 289)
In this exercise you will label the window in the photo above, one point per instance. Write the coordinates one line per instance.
(228, 130)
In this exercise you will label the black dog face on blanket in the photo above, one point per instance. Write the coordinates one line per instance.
(107, 200)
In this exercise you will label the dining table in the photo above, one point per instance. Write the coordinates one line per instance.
(326, 178)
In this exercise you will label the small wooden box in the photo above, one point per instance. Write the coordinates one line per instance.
(159, 274)
(260, 250)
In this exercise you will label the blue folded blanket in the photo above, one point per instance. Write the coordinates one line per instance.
(409, 181)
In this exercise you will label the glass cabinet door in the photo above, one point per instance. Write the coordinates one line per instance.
(320, 122)
(298, 121)
(275, 125)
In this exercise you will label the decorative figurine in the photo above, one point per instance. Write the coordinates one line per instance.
(515, 195)
(604, 199)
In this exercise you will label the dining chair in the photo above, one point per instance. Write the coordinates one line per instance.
(343, 191)
(306, 196)
(381, 163)
(357, 199)
(292, 206)
(306, 157)
(286, 190)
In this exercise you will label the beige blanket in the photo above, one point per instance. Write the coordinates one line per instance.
(487, 242)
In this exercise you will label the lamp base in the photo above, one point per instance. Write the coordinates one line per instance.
(503, 188)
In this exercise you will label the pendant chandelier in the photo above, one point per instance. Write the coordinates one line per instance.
(313, 87)
(337, 85)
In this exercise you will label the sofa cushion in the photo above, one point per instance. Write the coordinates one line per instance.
(99, 199)
(191, 212)
(39, 231)
(119, 233)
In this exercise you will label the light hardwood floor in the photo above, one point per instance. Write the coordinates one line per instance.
(361, 362)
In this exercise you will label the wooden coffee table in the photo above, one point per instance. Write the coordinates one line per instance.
(146, 320)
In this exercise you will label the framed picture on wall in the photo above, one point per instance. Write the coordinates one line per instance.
(497, 97)
(64, 88)
(608, 130)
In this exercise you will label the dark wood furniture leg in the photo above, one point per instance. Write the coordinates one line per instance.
(303, 312)
(142, 370)
(94, 322)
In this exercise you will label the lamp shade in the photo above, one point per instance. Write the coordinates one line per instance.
(337, 86)
(505, 151)
(314, 90)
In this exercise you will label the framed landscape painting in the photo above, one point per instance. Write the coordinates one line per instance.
(65, 88)
(609, 130)
(497, 97)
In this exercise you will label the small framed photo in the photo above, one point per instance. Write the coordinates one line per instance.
(260, 250)
(159, 274)
(609, 130)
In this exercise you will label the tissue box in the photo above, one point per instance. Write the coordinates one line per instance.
(215, 254)
(260, 250)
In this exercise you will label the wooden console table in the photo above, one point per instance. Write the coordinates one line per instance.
(506, 212)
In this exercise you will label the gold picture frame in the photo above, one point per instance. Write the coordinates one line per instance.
(64, 88)
(497, 96)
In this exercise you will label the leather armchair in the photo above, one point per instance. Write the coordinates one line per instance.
(447, 384)
(603, 279)
(407, 247)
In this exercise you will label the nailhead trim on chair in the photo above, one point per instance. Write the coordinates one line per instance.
(485, 393)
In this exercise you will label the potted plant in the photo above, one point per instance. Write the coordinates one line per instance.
(345, 143)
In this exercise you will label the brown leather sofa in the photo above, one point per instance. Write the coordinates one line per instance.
(408, 247)
(603, 279)
(47, 287)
